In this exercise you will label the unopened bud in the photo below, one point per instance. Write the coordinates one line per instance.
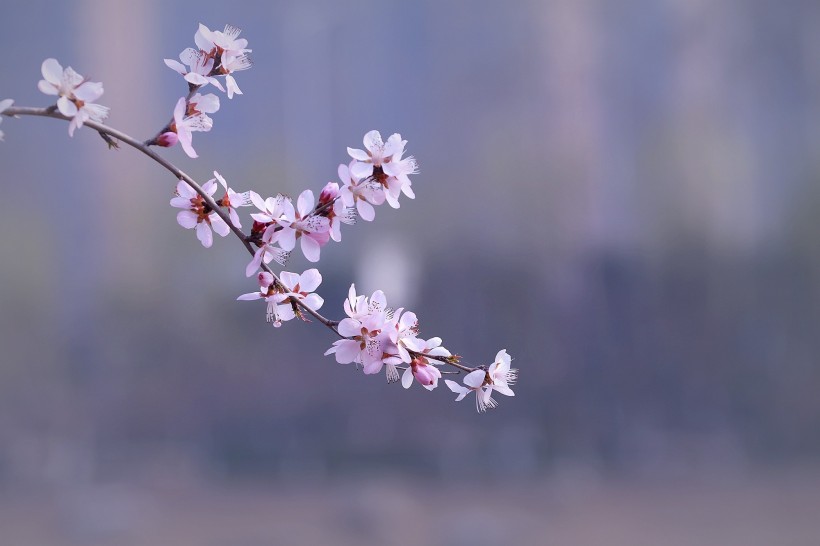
(422, 373)
(265, 279)
(166, 140)
(329, 193)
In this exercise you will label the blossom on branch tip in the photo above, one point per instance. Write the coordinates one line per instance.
(76, 94)
(282, 301)
(4, 104)
(497, 378)
(197, 214)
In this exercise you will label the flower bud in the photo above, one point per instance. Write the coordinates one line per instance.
(166, 140)
(329, 193)
(422, 373)
(265, 279)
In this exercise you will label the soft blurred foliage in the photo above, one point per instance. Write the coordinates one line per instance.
(624, 195)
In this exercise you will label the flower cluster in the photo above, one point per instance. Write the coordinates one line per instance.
(219, 54)
(76, 94)
(377, 174)
(497, 378)
(374, 337)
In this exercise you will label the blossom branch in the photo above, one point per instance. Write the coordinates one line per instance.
(372, 335)
(101, 128)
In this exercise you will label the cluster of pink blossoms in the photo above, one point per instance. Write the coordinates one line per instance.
(219, 54)
(376, 337)
(373, 336)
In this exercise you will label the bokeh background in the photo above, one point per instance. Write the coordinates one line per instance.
(625, 195)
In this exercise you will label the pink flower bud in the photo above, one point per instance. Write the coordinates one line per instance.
(265, 279)
(422, 373)
(329, 193)
(166, 140)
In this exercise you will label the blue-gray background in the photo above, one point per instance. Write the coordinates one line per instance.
(623, 194)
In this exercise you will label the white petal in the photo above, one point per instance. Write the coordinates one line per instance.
(203, 233)
(361, 170)
(407, 378)
(355, 153)
(314, 301)
(66, 107)
(52, 71)
(366, 210)
(305, 203)
(219, 225)
(373, 141)
(311, 249)
(310, 280)
(475, 379)
(187, 219)
(175, 66)
(503, 389)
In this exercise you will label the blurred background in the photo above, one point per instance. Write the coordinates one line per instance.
(624, 195)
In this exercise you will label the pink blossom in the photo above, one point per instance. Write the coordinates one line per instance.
(198, 70)
(360, 193)
(76, 94)
(313, 230)
(375, 154)
(281, 303)
(197, 214)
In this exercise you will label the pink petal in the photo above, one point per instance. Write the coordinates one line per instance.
(310, 280)
(203, 233)
(311, 249)
(187, 219)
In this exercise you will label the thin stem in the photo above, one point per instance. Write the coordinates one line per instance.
(51, 112)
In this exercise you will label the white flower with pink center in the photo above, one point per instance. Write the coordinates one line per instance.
(312, 230)
(76, 94)
(497, 378)
(362, 330)
(501, 376)
(196, 68)
(197, 214)
(282, 303)
(360, 193)
(225, 41)
(376, 153)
